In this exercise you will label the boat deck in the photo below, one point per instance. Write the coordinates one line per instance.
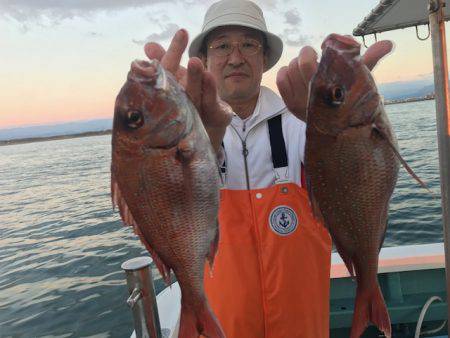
(408, 277)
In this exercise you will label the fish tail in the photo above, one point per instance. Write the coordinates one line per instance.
(194, 322)
(370, 307)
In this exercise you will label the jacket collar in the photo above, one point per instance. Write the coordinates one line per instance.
(268, 105)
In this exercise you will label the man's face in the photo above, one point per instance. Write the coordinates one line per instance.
(238, 75)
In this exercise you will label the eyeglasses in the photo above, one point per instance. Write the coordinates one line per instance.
(247, 47)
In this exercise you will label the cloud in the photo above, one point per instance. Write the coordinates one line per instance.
(267, 4)
(167, 32)
(24, 28)
(292, 17)
(291, 33)
(26, 10)
(55, 11)
(293, 38)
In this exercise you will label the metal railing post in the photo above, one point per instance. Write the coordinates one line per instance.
(440, 66)
(142, 299)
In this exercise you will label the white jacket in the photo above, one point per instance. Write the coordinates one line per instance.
(253, 133)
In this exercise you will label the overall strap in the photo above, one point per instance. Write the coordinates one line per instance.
(223, 165)
(278, 148)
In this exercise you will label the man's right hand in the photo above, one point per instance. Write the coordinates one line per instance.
(198, 83)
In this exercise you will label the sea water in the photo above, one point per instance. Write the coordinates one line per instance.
(61, 245)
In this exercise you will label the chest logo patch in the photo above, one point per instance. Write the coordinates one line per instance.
(283, 220)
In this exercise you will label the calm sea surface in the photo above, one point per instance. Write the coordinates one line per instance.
(61, 245)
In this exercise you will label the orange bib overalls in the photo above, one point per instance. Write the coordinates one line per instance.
(271, 274)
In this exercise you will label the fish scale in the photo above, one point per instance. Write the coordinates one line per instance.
(351, 169)
(165, 180)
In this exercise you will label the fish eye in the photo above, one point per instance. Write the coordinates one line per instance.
(337, 96)
(134, 119)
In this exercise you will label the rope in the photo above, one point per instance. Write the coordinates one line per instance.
(422, 316)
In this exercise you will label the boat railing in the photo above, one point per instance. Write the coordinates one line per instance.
(142, 299)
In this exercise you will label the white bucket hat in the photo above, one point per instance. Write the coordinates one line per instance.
(237, 13)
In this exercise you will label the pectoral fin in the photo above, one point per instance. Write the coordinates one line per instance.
(382, 133)
(185, 150)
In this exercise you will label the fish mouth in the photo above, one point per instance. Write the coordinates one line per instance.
(170, 126)
(150, 72)
(341, 43)
(143, 71)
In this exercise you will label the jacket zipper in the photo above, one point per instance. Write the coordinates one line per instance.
(244, 144)
(245, 153)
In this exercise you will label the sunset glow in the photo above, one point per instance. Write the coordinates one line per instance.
(67, 62)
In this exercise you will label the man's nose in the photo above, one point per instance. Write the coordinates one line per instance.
(235, 58)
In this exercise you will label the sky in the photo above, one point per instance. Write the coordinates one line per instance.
(66, 60)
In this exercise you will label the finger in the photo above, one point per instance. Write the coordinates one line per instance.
(376, 52)
(284, 86)
(194, 81)
(154, 50)
(226, 111)
(171, 60)
(307, 63)
(215, 112)
(209, 90)
(295, 76)
(181, 76)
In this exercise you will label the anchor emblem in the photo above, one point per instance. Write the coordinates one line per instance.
(284, 220)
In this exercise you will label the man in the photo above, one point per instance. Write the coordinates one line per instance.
(271, 272)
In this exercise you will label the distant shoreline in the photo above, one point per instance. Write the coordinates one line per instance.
(413, 99)
(108, 131)
(52, 138)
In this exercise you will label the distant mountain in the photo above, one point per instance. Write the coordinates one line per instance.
(406, 89)
(425, 91)
(68, 128)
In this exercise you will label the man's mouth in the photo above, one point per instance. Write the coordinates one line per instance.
(236, 74)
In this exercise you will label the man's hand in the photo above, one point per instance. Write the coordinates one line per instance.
(293, 80)
(198, 83)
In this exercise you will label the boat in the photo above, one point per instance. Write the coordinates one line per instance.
(413, 278)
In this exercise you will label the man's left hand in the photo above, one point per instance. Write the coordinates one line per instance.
(293, 80)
